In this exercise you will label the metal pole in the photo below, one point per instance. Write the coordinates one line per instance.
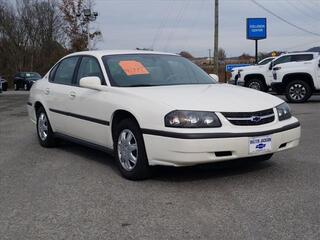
(256, 51)
(216, 36)
(88, 35)
(209, 56)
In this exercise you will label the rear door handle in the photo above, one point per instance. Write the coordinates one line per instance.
(47, 91)
(72, 95)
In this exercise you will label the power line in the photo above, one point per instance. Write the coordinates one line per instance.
(178, 20)
(284, 20)
(300, 10)
(192, 25)
(161, 26)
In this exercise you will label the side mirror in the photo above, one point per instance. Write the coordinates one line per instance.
(90, 82)
(214, 77)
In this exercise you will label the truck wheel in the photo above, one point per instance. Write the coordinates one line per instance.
(130, 151)
(257, 84)
(298, 91)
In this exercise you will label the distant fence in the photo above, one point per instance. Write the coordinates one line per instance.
(224, 76)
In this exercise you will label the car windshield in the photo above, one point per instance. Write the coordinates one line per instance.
(143, 70)
(265, 61)
(33, 75)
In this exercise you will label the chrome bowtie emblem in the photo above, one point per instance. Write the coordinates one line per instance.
(255, 119)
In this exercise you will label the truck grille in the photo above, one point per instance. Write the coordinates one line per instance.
(250, 118)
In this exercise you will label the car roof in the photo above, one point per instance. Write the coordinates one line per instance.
(300, 53)
(100, 53)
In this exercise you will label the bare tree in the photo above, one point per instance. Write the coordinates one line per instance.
(76, 25)
(31, 35)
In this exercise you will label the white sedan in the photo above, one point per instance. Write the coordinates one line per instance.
(153, 108)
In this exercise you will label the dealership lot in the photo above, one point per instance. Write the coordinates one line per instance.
(72, 192)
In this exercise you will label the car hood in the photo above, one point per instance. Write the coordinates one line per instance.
(208, 97)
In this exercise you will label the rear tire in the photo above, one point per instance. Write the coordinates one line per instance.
(5, 87)
(298, 91)
(44, 130)
(256, 84)
(130, 152)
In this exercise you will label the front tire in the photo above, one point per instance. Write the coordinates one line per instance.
(257, 84)
(130, 151)
(25, 87)
(298, 91)
(44, 130)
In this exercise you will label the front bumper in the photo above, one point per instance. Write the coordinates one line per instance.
(186, 150)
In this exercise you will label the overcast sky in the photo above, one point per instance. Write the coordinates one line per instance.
(175, 25)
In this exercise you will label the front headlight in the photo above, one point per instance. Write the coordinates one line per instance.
(284, 111)
(192, 119)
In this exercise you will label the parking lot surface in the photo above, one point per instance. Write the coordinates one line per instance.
(72, 192)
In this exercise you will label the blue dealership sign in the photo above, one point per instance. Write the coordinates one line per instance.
(256, 28)
(229, 67)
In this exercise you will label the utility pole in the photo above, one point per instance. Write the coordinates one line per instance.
(216, 36)
(210, 56)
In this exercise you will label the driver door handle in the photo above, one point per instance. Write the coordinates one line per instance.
(72, 94)
(47, 91)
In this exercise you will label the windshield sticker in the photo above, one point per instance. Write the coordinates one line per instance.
(132, 67)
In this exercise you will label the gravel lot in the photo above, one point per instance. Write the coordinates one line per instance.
(72, 192)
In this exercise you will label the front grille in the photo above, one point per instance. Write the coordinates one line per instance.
(250, 118)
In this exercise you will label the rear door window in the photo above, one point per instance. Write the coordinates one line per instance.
(65, 71)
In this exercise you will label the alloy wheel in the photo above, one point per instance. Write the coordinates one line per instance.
(43, 126)
(127, 149)
(255, 85)
(297, 91)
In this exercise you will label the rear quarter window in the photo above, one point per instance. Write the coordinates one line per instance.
(302, 57)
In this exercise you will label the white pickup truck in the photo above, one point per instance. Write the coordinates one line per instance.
(298, 80)
(260, 76)
(252, 76)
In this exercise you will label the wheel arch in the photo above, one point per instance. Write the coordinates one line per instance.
(118, 116)
(37, 105)
(298, 76)
(254, 76)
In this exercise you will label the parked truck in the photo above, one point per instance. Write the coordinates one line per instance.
(260, 76)
(298, 80)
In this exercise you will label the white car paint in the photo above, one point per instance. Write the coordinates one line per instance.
(266, 71)
(312, 68)
(149, 105)
(254, 69)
